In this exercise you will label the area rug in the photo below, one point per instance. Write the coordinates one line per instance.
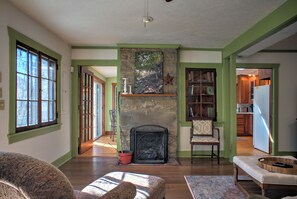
(214, 187)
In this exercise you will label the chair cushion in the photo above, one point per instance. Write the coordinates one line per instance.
(147, 186)
(209, 139)
(202, 127)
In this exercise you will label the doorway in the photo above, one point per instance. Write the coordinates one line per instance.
(97, 89)
(98, 109)
(254, 111)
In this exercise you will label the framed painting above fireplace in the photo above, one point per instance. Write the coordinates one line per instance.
(148, 72)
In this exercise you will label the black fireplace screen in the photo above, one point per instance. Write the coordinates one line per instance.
(149, 144)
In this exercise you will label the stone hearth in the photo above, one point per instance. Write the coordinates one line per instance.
(149, 110)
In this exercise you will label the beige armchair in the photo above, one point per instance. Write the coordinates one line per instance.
(24, 177)
(202, 133)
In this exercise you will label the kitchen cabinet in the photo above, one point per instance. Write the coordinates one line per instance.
(243, 89)
(245, 86)
(244, 123)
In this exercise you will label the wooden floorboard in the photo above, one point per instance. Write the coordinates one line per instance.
(88, 167)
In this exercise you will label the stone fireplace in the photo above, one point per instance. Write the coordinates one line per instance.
(137, 110)
(149, 144)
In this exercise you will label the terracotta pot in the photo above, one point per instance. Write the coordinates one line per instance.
(125, 157)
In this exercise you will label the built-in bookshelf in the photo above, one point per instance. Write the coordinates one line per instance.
(200, 94)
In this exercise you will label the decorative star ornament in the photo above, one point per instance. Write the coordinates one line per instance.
(168, 79)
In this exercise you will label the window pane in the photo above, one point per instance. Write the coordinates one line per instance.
(22, 89)
(33, 64)
(22, 61)
(44, 89)
(44, 111)
(33, 113)
(21, 119)
(44, 68)
(52, 75)
(51, 90)
(51, 111)
(33, 91)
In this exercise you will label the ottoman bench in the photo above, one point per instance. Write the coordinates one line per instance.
(147, 186)
(262, 177)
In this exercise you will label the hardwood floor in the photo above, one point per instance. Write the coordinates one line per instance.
(245, 146)
(86, 168)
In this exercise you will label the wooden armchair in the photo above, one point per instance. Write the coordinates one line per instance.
(202, 133)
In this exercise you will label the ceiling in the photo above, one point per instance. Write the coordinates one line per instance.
(190, 23)
(106, 71)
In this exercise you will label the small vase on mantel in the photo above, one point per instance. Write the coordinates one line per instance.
(130, 89)
(125, 86)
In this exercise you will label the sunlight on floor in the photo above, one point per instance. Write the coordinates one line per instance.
(104, 147)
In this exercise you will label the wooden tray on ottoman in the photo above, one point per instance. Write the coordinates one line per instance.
(267, 164)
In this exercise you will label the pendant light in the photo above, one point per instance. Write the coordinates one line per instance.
(146, 18)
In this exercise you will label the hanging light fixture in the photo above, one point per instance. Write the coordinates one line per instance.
(146, 18)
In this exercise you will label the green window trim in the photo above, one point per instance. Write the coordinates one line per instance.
(13, 137)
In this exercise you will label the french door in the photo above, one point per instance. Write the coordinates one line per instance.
(86, 137)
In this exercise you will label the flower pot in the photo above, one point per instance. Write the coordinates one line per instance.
(125, 157)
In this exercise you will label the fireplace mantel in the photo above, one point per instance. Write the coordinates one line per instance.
(150, 95)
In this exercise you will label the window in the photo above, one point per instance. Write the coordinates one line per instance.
(36, 93)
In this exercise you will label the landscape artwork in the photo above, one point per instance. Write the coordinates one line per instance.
(148, 72)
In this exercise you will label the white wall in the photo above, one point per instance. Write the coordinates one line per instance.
(89, 54)
(53, 145)
(287, 125)
(200, 56)
(197, 56)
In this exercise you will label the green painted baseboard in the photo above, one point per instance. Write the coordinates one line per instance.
(63, 159)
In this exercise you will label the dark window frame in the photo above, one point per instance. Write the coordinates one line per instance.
(40, 56)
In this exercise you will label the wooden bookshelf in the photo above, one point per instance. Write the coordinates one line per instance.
(200, 94)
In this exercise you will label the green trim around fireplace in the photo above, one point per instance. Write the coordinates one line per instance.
(175, 46)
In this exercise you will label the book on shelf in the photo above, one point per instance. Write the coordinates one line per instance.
(191, 76)
(192, 90)
(210, 112)
(210, 90)
(191, 113)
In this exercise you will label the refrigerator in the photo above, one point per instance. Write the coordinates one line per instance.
(261, 132)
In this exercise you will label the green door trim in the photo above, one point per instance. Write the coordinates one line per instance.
(232, 103)
(75, 96)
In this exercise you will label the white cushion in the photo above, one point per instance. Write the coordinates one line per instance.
(202, 127)
(249, 165)
(204, 139)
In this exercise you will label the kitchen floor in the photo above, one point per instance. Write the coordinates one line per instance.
(245, 146)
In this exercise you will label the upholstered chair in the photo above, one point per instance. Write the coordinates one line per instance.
(24, 177)
(202, 133)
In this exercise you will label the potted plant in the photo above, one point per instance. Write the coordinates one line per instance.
(125, 156)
